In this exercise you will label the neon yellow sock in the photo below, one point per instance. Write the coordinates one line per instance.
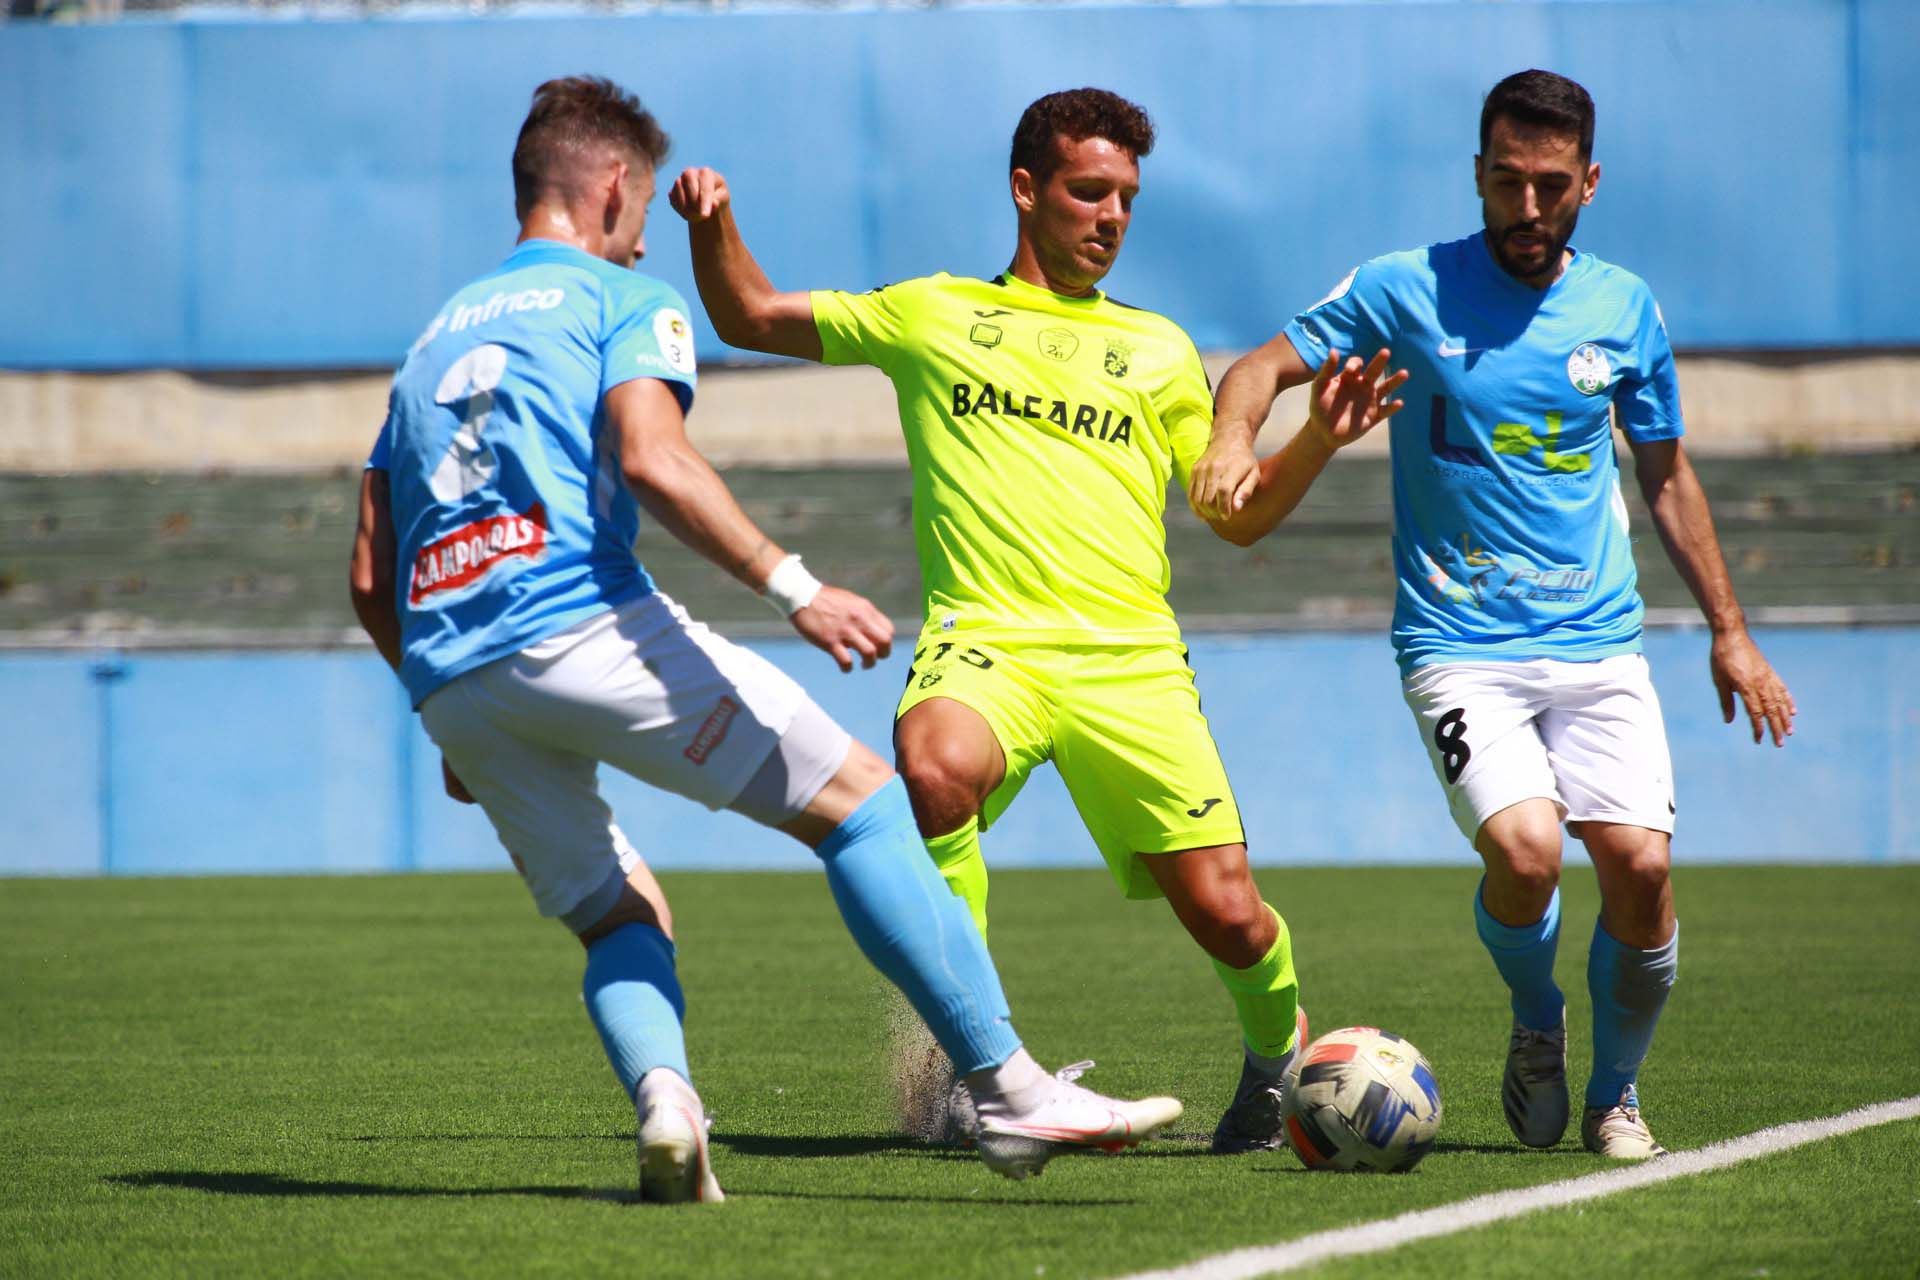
(957, 854)
(1265, 995)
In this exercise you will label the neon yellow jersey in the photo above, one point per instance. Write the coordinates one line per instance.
(1042, 432)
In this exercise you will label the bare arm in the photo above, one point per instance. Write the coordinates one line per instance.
(1680, 513)
(681, 490)
(370, 575)
(1223, 479)
(1348, 401)
(745, 308)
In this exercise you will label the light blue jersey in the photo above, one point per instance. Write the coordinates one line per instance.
(1510, 535)
(511, 516)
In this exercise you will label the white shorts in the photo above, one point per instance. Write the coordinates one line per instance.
(1586, 735)
(647, 690)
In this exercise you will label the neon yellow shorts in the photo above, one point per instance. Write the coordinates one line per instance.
(1122, 724)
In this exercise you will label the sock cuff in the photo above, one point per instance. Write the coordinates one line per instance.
(634, 936)
(956, 844)
(1655, 965)
(1510, 937)
(884, 808)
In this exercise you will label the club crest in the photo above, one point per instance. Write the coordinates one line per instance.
(1588, 370)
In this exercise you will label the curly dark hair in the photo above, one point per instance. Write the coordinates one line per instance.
(1078, 114)
(1543, 100)
(572, 115)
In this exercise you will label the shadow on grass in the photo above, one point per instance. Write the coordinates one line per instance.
(280, 1185)
(490, 1137)
(801, 1146)
(1002, 1201)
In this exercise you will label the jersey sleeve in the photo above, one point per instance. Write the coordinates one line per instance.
(1185, 406)
(1647, 393)
(381, 459)
(648, 336)
(1352, 319)
(860, 328)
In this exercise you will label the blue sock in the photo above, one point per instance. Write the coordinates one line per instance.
(634, 1000)
(1629, 989)
(1524, 956)
(909, 924)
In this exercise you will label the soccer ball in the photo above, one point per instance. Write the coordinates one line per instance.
(1364, 1099)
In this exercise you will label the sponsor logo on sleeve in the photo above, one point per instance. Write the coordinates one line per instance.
(1338, 291)
(452, 563)
(675, 338)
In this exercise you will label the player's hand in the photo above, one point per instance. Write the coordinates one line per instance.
(451, 781)
(1350, 399)
(1223, 479)
(698, 194)
(1738, 667)
(844, 624)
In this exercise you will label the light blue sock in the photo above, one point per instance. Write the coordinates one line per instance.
(1524, 956)
(909, 924)
(633, 997)
(1629, 989)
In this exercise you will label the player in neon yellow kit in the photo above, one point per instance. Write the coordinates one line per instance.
(1043, 421)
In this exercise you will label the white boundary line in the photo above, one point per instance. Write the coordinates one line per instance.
(1464, 1215)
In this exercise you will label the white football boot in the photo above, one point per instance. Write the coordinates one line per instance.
(1533, 1092)
(1020, 1130)
(674, 1165)
(1618, 1132)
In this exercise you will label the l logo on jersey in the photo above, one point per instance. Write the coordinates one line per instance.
(1588, 370)
(984, 335)
(1118, 356)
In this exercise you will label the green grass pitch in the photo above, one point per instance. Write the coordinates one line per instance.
(394, 1076)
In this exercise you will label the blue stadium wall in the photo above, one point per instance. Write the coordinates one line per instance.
(182, 763)
(218, 194)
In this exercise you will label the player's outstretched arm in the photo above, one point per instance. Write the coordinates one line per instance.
(1349, 399)
(1680, 512)
(1223, 479)
(681, 490)
(745, 308)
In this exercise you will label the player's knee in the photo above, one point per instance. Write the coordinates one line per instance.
(1643, 869)
(1525, 854)
(944, 784)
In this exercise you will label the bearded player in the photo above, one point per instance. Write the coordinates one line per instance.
(1517, 617)
(1043, 421)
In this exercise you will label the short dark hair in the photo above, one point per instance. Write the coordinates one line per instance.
(1544, 100)
(1078, 114)
(572, 115)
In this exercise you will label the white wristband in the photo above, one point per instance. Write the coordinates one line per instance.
(790, 588)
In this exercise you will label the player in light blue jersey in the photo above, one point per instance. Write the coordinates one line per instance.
(493, 566)
(1517, 617)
